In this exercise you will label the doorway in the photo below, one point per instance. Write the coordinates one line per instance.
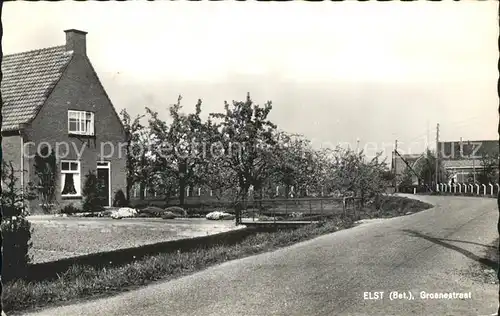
(104, 178)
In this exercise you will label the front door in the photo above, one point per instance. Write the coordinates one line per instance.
(103, 176)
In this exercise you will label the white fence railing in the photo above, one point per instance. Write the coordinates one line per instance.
(490, 189)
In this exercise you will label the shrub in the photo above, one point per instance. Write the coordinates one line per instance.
(15, 228)
(45, 167)
(16, 235)
(168, 215)
(120, 200)
(177, 210)
(70, 209)
(152, 211)
(91, 192)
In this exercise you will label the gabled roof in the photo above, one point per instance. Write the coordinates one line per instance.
(28, 79)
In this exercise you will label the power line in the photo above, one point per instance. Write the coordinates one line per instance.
(461, 123)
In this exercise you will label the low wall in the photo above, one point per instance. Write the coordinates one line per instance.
(50, 270)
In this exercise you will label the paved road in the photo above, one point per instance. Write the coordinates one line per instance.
(427, 251)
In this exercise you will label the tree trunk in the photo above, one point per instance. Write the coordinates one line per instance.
(182, 191)
(240, 208)
(182, 169)
(128, 188)
(142, 187)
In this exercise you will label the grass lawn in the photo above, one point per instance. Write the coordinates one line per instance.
(87, 282)
(58, 238)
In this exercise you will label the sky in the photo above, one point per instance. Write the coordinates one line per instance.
(362, 74)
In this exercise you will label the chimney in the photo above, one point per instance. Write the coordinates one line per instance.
(75, 41)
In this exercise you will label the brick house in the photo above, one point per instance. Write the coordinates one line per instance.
(53, 98)
(461, 159)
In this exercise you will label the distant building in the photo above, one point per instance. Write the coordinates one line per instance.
(462, 159)
(401, 163)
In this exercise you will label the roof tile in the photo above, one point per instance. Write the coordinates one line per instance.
(28, 79)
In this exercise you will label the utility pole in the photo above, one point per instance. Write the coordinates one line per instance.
(395, 167)
(437, 156)
(461, 156)
(473, 161)
(428, 139)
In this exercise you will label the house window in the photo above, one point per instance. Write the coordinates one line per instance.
(70, 178)
(81, 122)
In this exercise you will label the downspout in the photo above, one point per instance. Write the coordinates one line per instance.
(22, 130)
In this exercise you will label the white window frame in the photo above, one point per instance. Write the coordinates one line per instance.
(77, 179)
(81, 117)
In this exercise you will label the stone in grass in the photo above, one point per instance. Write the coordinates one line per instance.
(124, 212)
(217, 215)
(177, 210)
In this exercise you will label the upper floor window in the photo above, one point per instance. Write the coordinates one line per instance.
(81, 122)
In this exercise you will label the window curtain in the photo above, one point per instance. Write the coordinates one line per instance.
(69, 184)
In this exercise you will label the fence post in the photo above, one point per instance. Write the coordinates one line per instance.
(310, 210)
(286, 208)
(484, 189)
(356, 205)
(491, 188)
(477, 188)
(253, 212)
(274, 215)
